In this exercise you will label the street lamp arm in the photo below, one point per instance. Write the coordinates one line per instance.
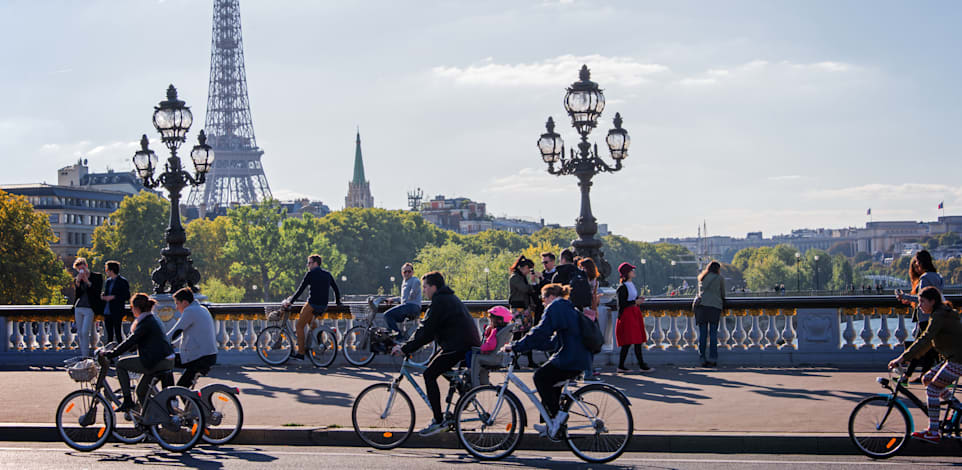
(603, 167)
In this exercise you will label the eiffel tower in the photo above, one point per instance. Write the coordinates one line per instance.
(237, 176)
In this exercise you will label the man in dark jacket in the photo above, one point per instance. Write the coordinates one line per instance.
(566, 268)
(449, 323)
(116, 293)
(320, 282)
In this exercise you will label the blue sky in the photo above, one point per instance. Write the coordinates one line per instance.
(767, 115)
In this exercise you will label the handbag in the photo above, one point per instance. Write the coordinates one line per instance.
(696, 302)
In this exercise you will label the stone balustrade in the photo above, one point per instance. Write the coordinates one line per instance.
(757, 331)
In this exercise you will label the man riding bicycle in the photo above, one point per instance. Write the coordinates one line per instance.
(198, 348)
(449, 323)
(944, 333)
(320, 282)
(559, 326)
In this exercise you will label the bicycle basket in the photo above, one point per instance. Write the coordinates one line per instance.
(275, 315)
(83, 371)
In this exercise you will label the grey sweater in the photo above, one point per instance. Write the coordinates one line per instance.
(411, 291)
(199, 338)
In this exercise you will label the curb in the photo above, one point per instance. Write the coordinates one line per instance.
(720, 443)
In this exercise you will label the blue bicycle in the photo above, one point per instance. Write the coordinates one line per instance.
(383, 414)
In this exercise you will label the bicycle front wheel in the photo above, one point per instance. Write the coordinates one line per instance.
(383, 416)
(489, 425)
(84, 420)
(423, 355)
(274, 345)
(323, 349)
(184, 423)
(357, 346)
(225, 419)
(599, 424)
(879, 429)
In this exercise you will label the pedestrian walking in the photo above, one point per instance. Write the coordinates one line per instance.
(588, 266)
(923, 274)
(520, 300)
(708, 307)
(87, 291)
(116, 293)
(630, 328)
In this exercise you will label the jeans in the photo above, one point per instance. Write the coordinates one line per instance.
(708, 341)
(84, 319)
(545, 379)
(399, 313)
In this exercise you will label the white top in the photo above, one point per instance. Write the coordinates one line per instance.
(632, 290)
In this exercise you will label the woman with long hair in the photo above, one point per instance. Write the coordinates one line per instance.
(943, 333)
(922, 274)
(520, 300)
(708, 309)
(630, 328)
(591, 271)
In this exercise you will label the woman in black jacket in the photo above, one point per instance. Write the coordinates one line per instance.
(520, 300)
(154, 352)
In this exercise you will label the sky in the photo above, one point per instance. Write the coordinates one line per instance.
(745, 115)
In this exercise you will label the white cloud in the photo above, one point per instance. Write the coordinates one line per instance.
(290, 195)
(890, 192)
(785, 178)
(557, 71)
(766, 71)
(527, 180)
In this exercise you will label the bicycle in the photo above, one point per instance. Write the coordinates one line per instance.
(275, 343)
(365, 340)
(223, 413)
(490, 419)
(173, 416)
(879, 433)
(383, 414)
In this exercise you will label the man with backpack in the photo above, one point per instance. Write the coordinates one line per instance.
(568, 274)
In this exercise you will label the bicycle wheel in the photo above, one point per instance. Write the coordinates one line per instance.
(124, 430)
(274, 345)
(84, 420)
(879, 429)
(383, 416)
(323, 349)
(487, 429)
(357, 346)
(423, 356)
(184, 423)
(225, 419)
(599, 424)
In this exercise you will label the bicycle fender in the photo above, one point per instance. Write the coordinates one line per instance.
(621, 395)
(901, 404)
(208, 390)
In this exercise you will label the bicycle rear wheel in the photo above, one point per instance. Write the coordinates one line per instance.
(225, 419)
(383, 416)
(84, 420)
(274, 345)
(599, 424)
(879, 429)
(357, 346)
(488, 430)
(323, 349)
(184, 423)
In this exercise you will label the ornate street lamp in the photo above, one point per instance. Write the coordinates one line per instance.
(584, 102)
(172, 119)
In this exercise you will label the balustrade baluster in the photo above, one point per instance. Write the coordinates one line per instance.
(222, 334)
(95, 335)
(867, 334)
(690, 336)
(249, 337)
(755, 334)
(788, 331)
(674, 336)
(649, 323)
(29, 336)
(235, 336)
(739, 335)
(771, 333)
(724, 335)
(657, 335)
(51, 339)
(849, 334)
(883, 331)
(901, 334)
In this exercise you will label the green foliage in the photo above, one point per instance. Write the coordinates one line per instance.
(219, 292)
(134, 237)
(492, 241)
(554, 236)
(30, 272)
(206, 240)
(464, 271)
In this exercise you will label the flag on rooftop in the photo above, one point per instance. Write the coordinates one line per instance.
(869, 211)
(942, 205)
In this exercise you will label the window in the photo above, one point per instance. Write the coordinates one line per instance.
(70, 238)
(54, 219)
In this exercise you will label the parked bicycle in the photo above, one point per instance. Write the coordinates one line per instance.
(366, 340)
(880, 425)
(276, 343)
(85, 418)
(490, 419)
(383, 414)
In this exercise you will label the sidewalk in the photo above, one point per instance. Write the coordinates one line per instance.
(727, 409)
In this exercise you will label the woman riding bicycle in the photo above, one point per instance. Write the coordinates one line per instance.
(944, 333)
(560, 323)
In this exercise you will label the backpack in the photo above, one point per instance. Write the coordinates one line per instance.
(591, 337)
(580, 289)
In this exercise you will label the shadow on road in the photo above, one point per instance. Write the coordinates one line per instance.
(196, 458)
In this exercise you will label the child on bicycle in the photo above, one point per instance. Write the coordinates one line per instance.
(496, 335)
(944, 333)
(559, 324)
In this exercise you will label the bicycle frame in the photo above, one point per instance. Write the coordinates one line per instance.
(407, 368)
(510, 377)
(897, 388)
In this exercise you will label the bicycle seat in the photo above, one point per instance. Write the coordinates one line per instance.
(562, 383)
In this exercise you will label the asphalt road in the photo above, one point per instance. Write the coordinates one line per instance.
(57, 456)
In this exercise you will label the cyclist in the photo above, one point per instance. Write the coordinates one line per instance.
(559, 327)
(944, 333)
(198, 348)
(449, 323)
(320, 282)
(154, 353)
(410, 301)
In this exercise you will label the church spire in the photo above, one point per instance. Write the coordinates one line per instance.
(358, 189)
(358, 161)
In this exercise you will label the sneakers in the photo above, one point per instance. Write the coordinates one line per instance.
(931, 437)
(434, 428)
(645, 368)
(551, 428)
(125, 407)
(593, 378)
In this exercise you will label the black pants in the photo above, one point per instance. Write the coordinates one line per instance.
(133, 364)
(545, 379)
(440, 364)
(112, 324)
(624, 355)
(192, 369)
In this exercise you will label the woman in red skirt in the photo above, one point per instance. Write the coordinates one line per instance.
(630, 329)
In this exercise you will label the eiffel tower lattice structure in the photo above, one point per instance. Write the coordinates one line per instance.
(237, 176)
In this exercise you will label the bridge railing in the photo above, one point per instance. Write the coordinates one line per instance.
(859, 329)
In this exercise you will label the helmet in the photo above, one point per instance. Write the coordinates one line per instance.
(502, 312)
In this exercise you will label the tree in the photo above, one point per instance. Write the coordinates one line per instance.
(492, 241)
(206, 239)
(134, 237)
(464, 271)
(554, 236)
(30, 272)
(218, 291)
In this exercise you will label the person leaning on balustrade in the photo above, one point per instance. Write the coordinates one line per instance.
(87, 288)
(708, 307)
(116, 293)
(923, 274)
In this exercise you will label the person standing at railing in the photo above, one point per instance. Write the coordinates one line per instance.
(409, 301)
(520, 300)
(708, 308)
(320, 282)
(630, 328)
(87, 290)
(588, 266)
(116, 293)
(923, 274)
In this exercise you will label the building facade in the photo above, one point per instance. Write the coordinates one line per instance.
(359, 188)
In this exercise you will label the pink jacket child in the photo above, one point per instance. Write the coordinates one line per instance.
(496, 335)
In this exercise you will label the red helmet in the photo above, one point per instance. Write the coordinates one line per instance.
(502, 312)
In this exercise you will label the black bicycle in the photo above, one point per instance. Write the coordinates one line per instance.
(880, 425)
